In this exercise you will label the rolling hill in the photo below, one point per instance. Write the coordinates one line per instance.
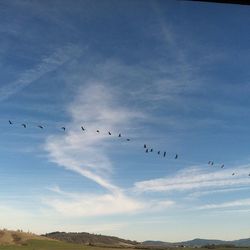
(90, 239)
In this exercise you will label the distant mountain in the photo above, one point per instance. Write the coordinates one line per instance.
(199, 242)
(242, 242)
(156, 243)
(202, 242)
(90, 239)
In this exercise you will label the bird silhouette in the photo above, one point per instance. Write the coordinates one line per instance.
(109, 133)
(164, 154)
(128, 139)
(212, 163)
(97, 131)
(146, 150)
(222, 166)
(40, 126)
(158, 152)
(24, 125)
(83, 129)
(209, 162)
(233, 173)
(120, 135)
(151, 150)
(145, 146)
(10, 122)
(63, 128)
(176, 156)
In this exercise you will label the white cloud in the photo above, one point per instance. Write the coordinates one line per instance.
(87, 152)
(196, 178)
(94, 205)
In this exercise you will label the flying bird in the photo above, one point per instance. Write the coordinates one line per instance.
(159, 152)
(222, 166)
(128, 139)
(109, 133)
(83, 129)
(24, 125)
(120, 135)
(164, 155)
(146, 150)
(63, 128)
(209, 162)
(97, 131)
(145, 146)
(176, 156)
(233, 173)
(212, 163)
(40, 126)
(151, 150)
(10, 122)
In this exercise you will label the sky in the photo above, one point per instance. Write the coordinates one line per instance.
(173, 75)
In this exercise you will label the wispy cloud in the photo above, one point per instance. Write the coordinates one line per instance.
(196, 178)
(47, 64)
(198, 194)
(87, 152)
(230, 204)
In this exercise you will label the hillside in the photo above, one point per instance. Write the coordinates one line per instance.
(8, 237)
(90, 239)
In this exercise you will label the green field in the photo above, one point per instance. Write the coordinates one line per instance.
(56, 245)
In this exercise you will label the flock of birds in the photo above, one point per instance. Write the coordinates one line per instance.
(146, 148)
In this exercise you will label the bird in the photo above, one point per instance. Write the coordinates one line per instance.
(164, 154)
(146, 150)
(233, 173)
(120, 135)
(249, 175)
(128, 139)
(40, 126)
(176, 156)
(63, 128)
(10, 122)
(145, 146)
(159, 152)
(109, 133)
(97, 131)
(24, 125)
(209, 162)
(222, 166)
(212, 163)
(151, 150)
(83, 129)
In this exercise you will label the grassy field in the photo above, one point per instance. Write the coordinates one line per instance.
(56, 245)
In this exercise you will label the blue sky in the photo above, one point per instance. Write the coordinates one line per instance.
(171, 74)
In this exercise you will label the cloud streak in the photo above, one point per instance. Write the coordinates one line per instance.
(196, 178)
(47, 64)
